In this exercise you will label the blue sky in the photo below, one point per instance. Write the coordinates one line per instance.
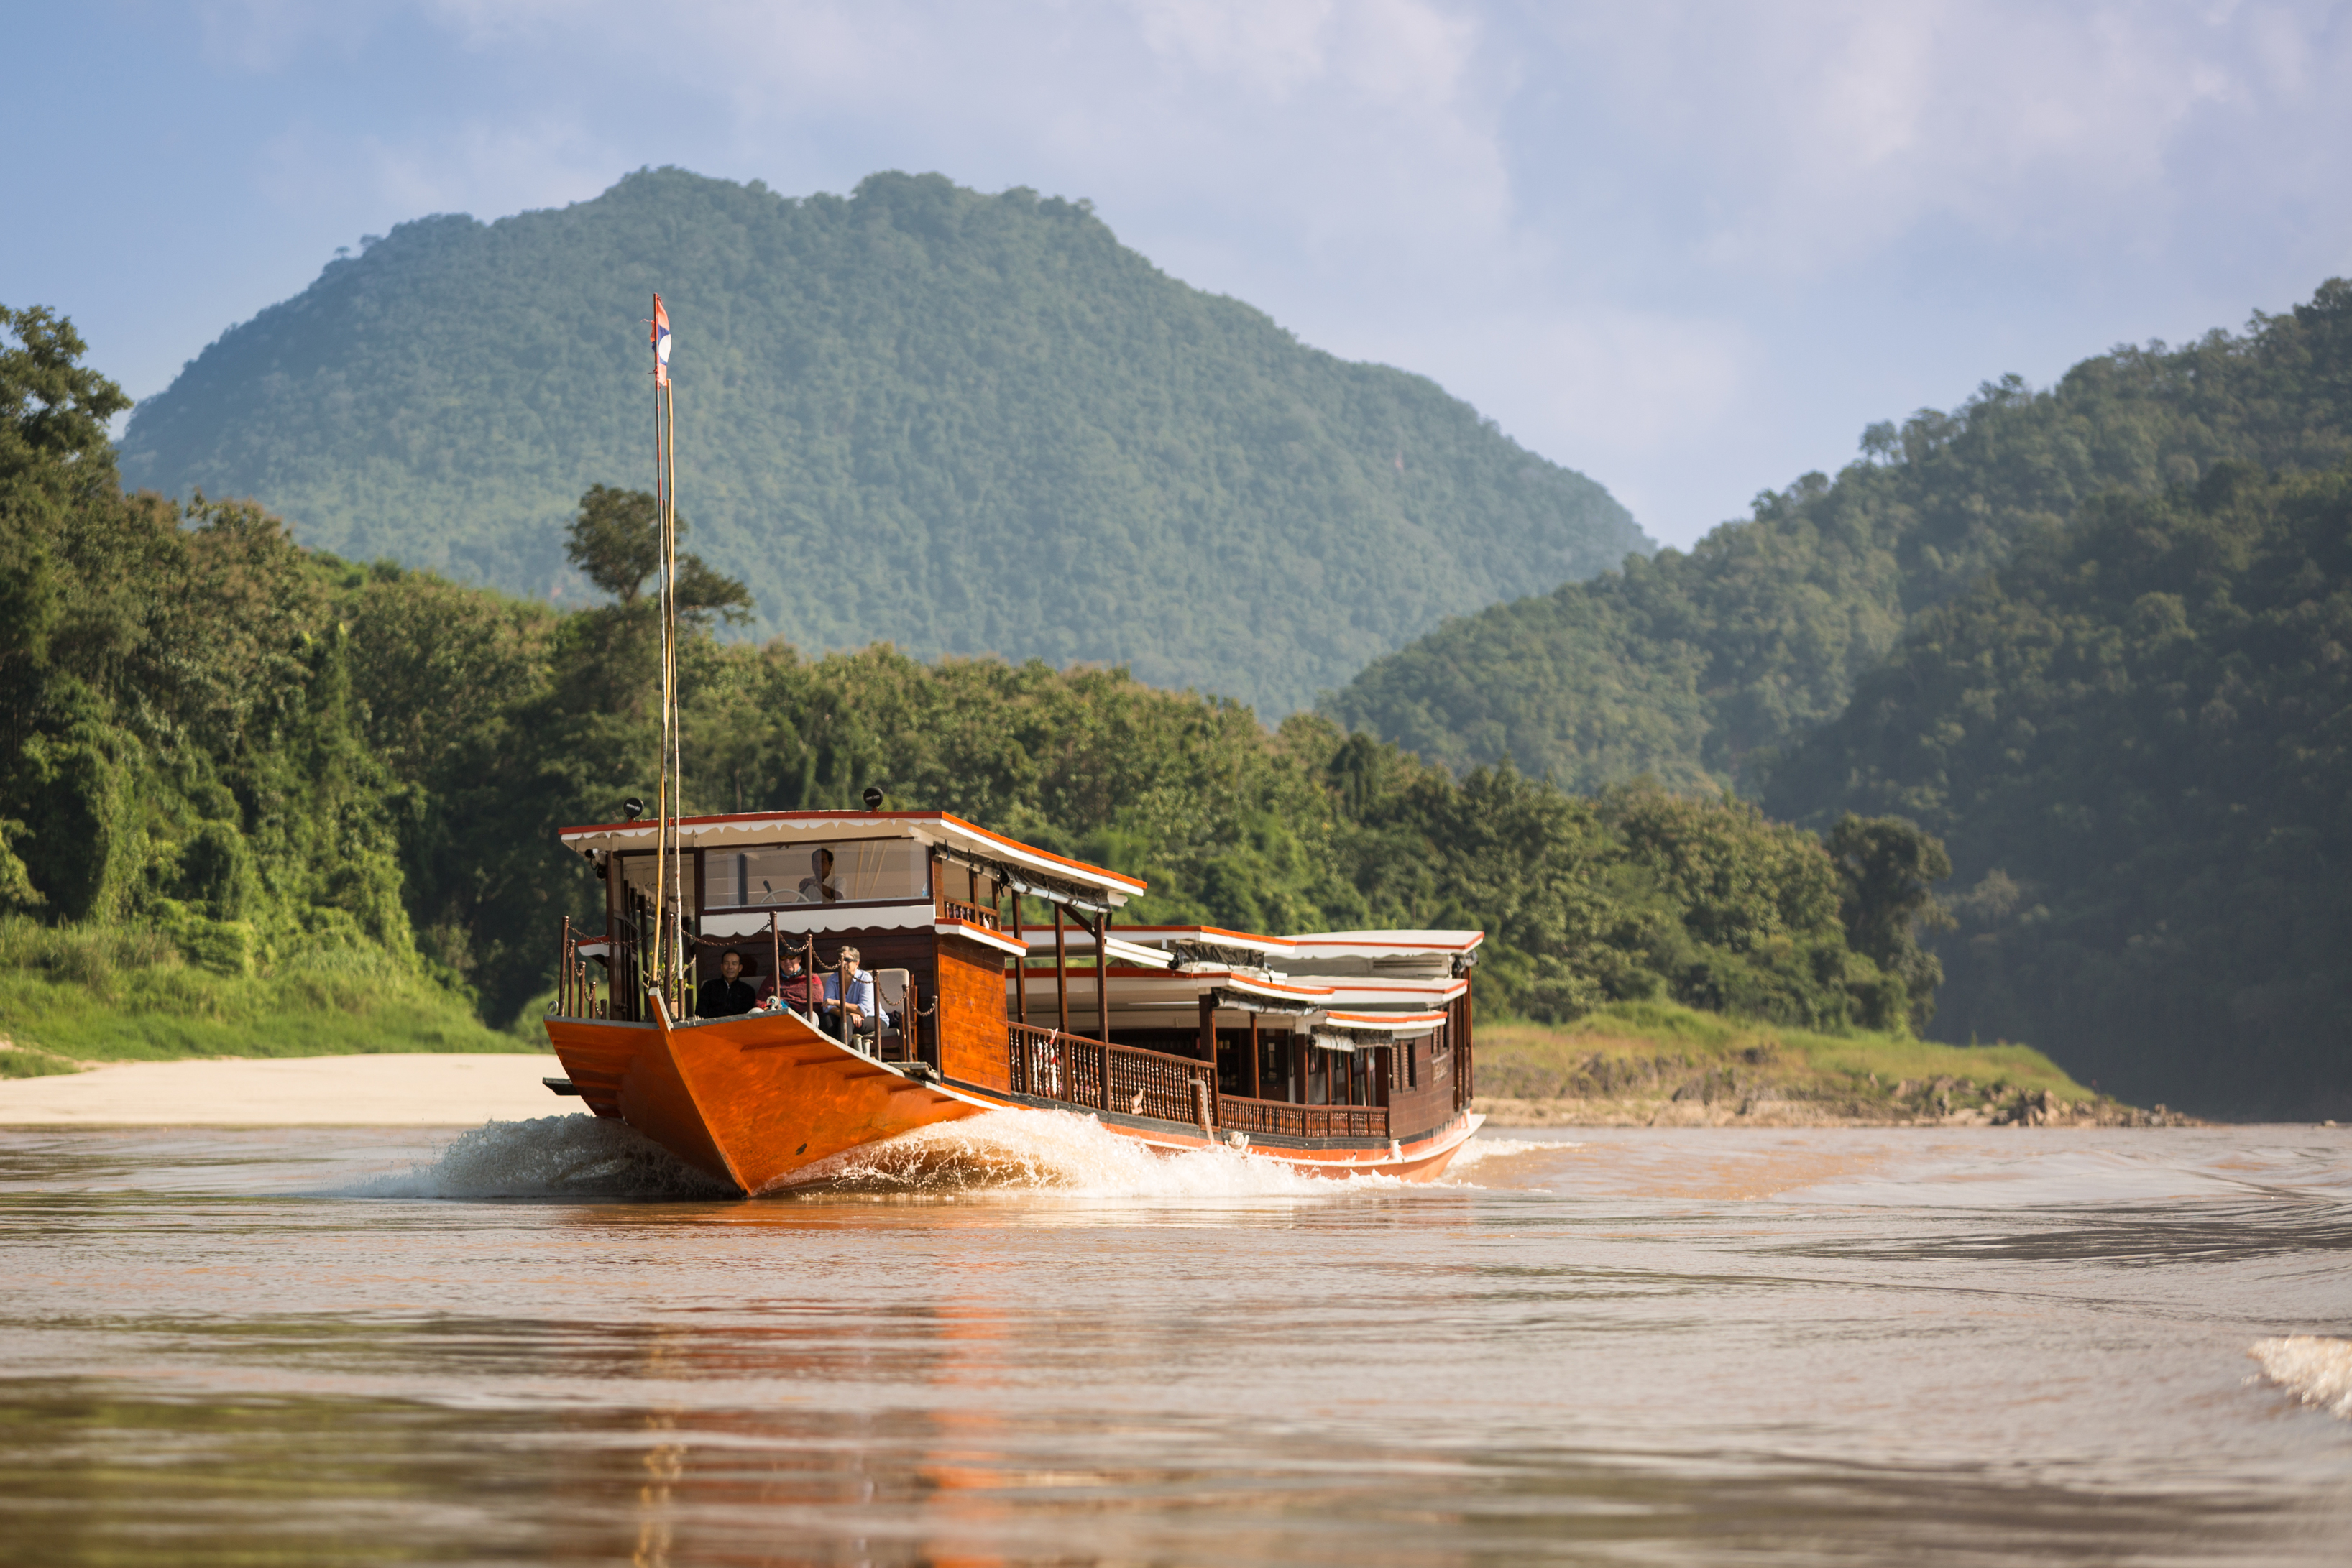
(1689, 249)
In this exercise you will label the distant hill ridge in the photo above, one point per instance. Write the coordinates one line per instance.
(957, 421)
(2092, 637)
(1699, 668)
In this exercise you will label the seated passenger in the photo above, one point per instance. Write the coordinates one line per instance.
(864, 1005)
(726, 994)
(794, 988)
(822, 886)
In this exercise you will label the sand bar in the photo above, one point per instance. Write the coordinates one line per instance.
(394, 1090)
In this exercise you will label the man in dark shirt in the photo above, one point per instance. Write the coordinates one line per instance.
(726, 994)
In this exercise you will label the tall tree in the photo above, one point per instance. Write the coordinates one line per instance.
(616, 541)
(1887, 870)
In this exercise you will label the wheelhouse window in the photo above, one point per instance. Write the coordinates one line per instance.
(853, 871)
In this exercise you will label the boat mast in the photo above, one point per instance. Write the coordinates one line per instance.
(669, 908)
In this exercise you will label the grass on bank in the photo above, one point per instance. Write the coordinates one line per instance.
(69, 995)
(1649, 1050)
(76, 995)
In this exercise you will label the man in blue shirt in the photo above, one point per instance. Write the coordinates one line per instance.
(864, 1006)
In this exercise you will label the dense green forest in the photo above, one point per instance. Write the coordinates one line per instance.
(2136, 738)
(1696, 669)
(2074, 633)
(961, 423)
(262, 760)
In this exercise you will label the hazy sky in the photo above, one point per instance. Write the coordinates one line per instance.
(1690, 249)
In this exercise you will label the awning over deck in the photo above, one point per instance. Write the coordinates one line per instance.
(1025, 867)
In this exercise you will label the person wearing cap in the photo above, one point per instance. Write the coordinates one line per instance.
(791, 990)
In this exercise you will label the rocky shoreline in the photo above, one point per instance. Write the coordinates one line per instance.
(1906, 1104)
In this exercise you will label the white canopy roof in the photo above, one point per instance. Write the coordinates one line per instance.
(1076, 938)
(937, 829)
(1384, 943)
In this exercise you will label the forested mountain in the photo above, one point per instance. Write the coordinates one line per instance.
(1695, 667)
(2136, 738)
(274, 758)
(963, 424)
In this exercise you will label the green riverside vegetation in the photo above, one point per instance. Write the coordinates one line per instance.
(126, 993)
(1658, 1061)
(243, 781)
(2093, 638)
(2136, 737)
(965, 425)
(1697, 669)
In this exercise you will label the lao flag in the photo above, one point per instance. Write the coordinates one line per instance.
(661, 343)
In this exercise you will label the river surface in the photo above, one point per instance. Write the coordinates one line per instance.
(1021, 1340)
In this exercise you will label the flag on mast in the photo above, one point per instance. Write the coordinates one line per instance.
(661, 343)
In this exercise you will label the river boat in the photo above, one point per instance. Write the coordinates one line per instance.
(1004, 984)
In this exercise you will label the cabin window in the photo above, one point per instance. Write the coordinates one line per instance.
(856, 870)
(1412, 1064)
(637, 876)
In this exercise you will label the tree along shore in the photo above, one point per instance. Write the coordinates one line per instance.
(242, 780)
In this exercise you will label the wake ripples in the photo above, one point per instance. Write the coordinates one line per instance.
(1002, 1153)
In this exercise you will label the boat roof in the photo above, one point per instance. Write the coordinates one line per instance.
(939, 829)
(1203, 937)
(1384, 943)
(1306, 944)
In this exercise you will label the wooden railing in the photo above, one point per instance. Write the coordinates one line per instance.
(1081, 1072)
(575, 981)
(585, 987)
(971, 913)
(1255, 1116)
(1076, 1070)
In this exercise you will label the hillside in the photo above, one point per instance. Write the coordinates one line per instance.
(239, 777)
(958, 423)
(2137, 739)
(1695, 667)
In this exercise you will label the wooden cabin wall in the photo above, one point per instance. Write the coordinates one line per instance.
(1429, 1103)
(972, 1013)
(1457, 1014)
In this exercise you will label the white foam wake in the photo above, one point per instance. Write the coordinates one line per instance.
(2315, 1371)
(573, 1156)
(1008, 1152)
(1028, 1152)
(1479, 1150)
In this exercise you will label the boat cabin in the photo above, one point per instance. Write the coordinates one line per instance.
(1000, 969)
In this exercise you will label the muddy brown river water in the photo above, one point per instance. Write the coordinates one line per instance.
(1024, 1342)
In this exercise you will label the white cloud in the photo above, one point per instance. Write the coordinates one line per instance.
(259, 37)
(1815, 133)
(1689, 246)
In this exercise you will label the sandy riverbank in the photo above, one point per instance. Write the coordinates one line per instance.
(393, 1090)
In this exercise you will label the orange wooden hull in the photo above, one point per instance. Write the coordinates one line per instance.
(752, 1101)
